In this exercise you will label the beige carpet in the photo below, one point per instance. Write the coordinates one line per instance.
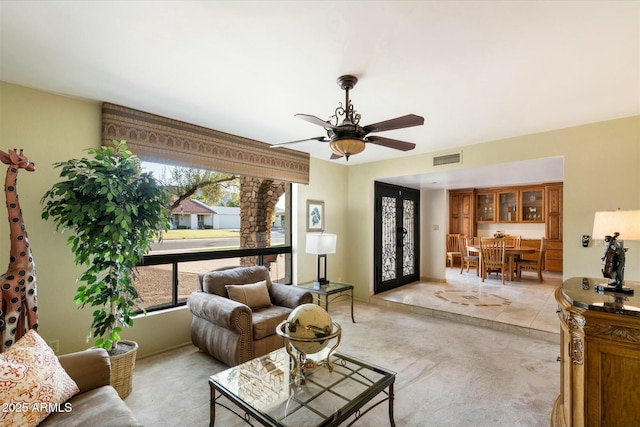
(449, 374)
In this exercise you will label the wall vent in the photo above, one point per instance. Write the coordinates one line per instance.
(447, 159)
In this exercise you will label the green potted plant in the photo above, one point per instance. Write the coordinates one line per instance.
(114, 213)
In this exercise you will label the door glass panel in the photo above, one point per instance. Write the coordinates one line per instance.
(388, 238)
(408, 253)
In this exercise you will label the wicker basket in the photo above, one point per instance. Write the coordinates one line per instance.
(122, 366)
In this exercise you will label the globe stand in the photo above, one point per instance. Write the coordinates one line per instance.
(300, 360)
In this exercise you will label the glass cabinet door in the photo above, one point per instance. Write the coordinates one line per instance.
(532, 206)
(485, 207)
(508, 206)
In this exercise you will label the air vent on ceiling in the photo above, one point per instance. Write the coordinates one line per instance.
(447, 159)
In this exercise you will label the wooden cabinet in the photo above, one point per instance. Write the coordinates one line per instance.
(485, 207)
(599, 356)
(553, 213)
(532, 205)
(507, 206)
(540, 203)
(553, 256)
(461, 212)
(524, 204)
(553, 225)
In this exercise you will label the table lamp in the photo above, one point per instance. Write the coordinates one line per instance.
(321, 244)
(625, 224)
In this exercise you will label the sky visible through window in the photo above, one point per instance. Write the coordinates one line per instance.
(162, 172)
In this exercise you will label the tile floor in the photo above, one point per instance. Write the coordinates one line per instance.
(523, 307)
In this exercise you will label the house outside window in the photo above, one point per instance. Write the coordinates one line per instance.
(205, 237)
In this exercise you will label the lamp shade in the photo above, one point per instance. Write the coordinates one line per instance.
(627, 223)
(321, 243)
(347, 146)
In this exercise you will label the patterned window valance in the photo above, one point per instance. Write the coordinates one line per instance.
(159, 139)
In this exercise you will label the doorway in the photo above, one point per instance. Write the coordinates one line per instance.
(396, 236)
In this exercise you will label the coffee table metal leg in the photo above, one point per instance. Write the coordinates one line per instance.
(351, 295)
(391, 420)
(212, 408)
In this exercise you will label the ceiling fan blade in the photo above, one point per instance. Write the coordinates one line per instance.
(398, 123)
(315, 120)
(317, 138)
(391, 143)
(335, 156)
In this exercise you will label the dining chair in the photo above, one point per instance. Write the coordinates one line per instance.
(493, 257)
(467, 259)
(512, 241)
(533, 265)
(453, 249)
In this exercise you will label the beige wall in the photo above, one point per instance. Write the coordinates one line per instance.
(434, 217)
(327, 182)
(55, 128)
(52, 128)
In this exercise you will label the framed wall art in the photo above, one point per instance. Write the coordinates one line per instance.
(315, 215)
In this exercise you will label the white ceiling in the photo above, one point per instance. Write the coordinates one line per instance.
(476, 70)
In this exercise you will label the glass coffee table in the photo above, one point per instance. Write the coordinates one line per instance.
(332, 288)
(261, 390)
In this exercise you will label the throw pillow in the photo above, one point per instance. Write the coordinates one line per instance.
(32, 382)
(255, 295)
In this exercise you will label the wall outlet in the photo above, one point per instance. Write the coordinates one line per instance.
(55, 346)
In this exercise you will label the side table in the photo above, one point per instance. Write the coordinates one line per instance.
(337, 289)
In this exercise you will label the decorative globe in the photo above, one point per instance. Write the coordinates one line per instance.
(308, 321)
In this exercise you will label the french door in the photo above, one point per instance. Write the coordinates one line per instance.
(396, 236)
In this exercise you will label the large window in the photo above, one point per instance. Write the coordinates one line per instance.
(244, 222)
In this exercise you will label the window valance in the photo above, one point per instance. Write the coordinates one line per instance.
(160, 139)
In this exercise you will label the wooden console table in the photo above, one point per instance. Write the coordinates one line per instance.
(599, 355)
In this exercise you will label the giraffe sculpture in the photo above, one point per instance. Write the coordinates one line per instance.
(18, 284)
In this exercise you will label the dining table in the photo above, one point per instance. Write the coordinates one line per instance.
(509, 251)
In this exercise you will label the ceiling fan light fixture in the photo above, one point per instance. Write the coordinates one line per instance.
(346, 137)
(347, 146)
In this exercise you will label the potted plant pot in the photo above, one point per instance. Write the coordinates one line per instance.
(122, 365)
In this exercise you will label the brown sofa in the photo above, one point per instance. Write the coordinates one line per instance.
(231, 331)
(97, 404)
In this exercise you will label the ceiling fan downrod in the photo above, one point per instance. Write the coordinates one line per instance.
(346, 83)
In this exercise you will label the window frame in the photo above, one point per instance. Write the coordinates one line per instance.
(175, 258)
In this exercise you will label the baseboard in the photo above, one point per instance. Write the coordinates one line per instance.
(429, 279)
(164, 350)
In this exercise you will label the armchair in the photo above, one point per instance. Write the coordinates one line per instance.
(240, 329)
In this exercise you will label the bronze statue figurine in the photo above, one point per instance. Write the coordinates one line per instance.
(614, 258)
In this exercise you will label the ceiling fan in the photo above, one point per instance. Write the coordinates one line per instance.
(346, 137)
